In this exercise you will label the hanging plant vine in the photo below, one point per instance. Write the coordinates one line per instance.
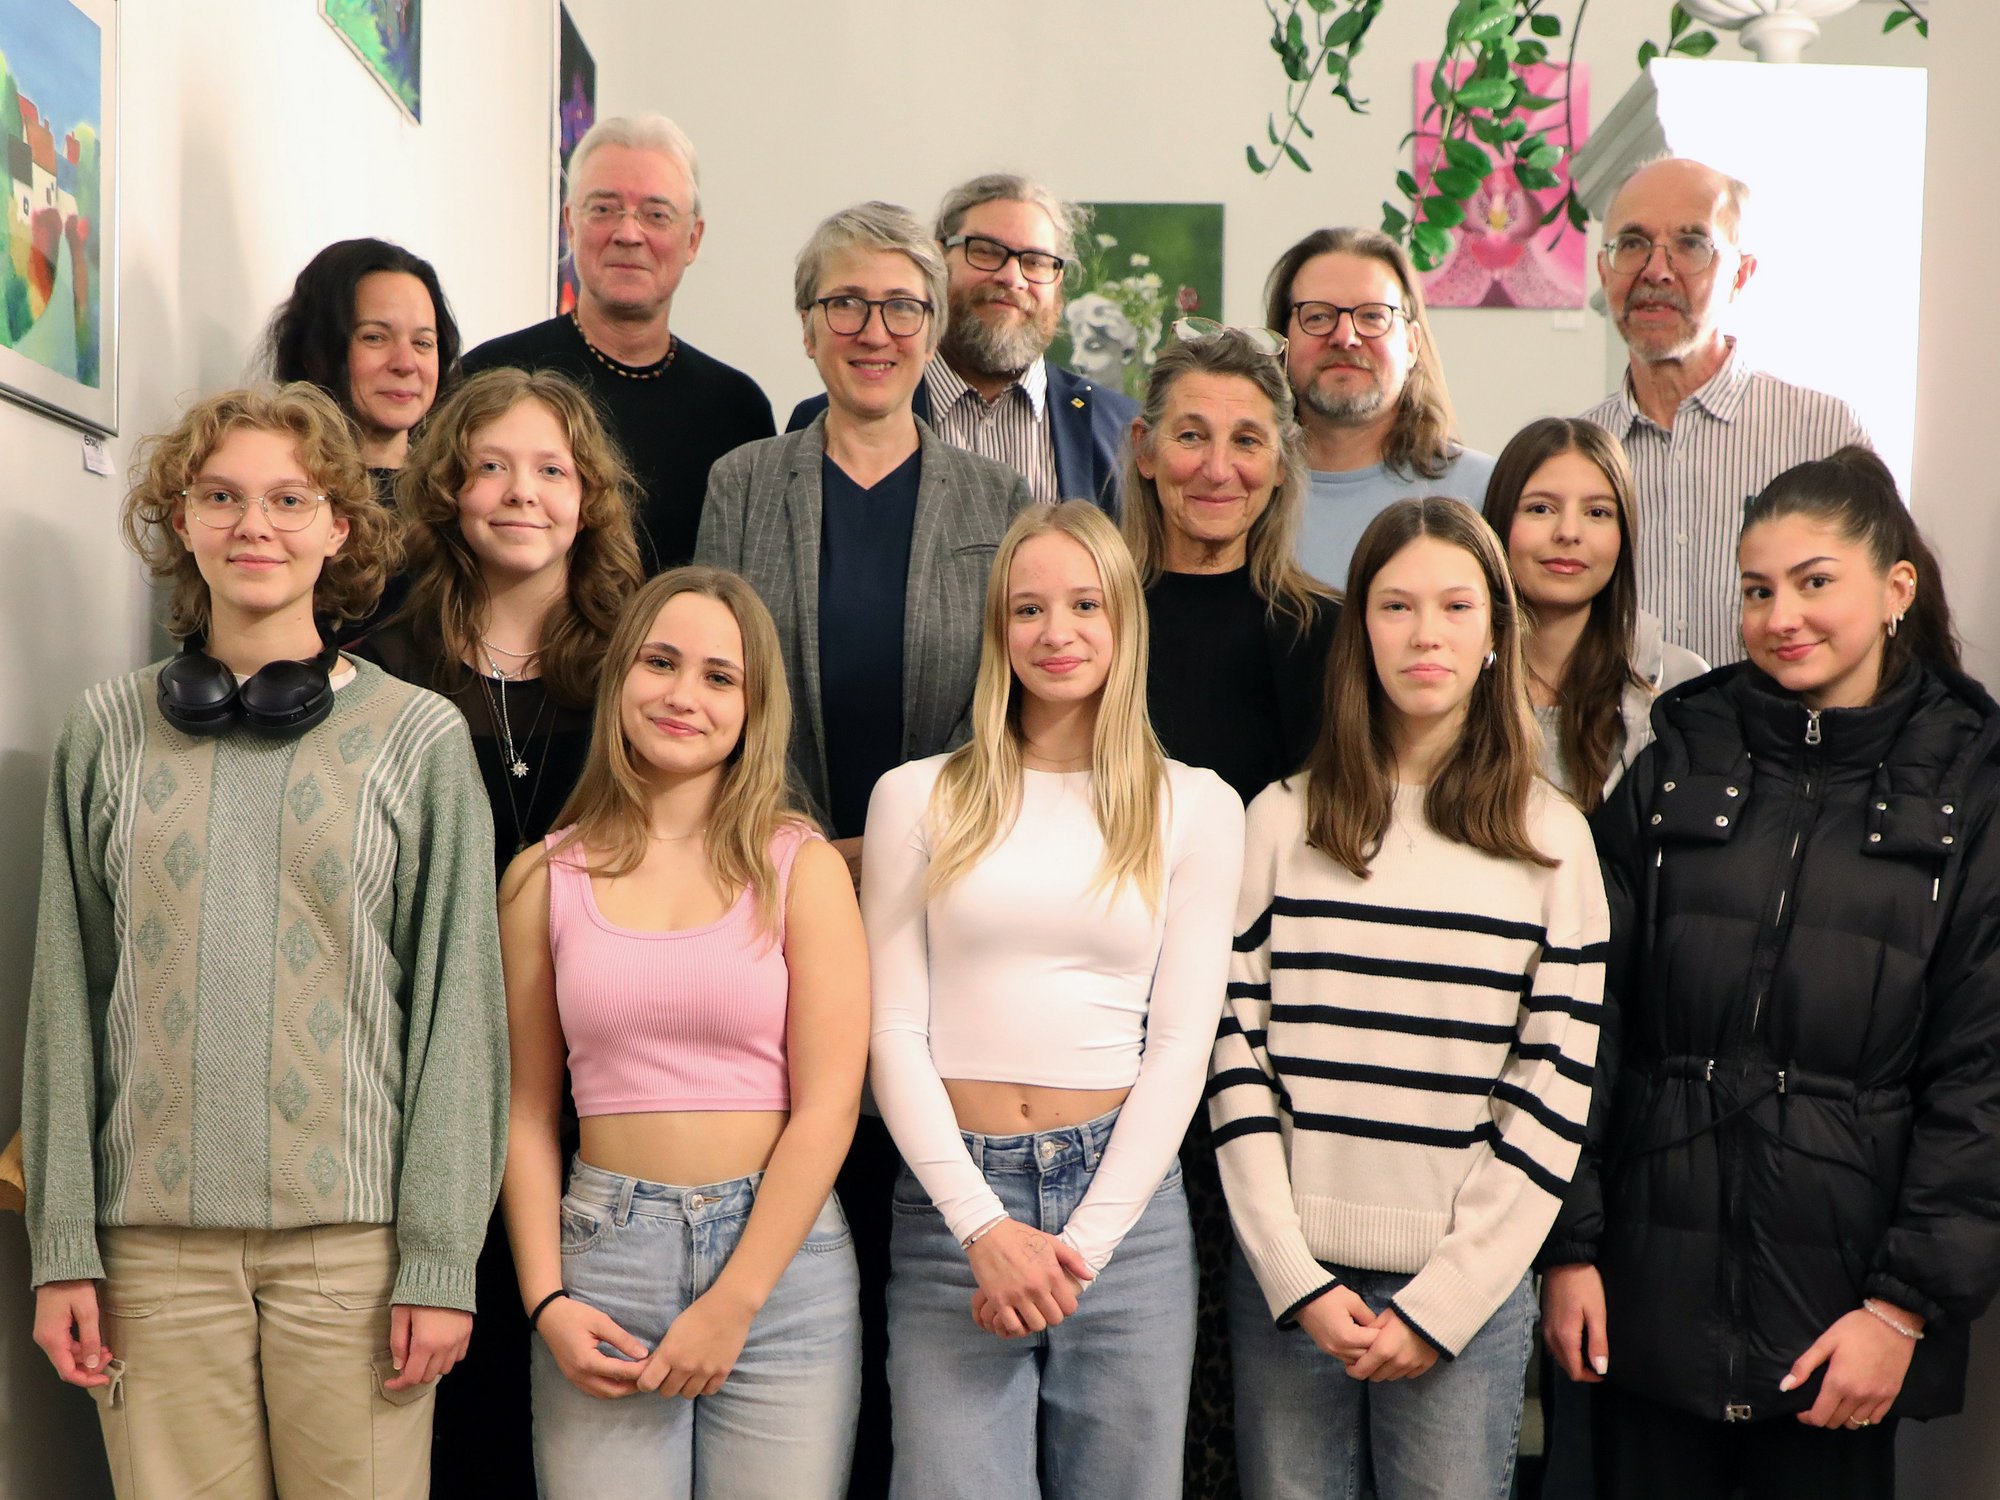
(1479, 119)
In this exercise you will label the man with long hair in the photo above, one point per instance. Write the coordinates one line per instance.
(1369, 387)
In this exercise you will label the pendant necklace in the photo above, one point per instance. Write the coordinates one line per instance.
(516, 764)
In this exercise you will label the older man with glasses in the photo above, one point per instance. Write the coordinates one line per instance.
(1370, 390)
(635, 226)
(1008, 243)
(1703, 429)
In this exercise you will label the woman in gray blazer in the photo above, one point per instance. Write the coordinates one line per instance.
(870, 538)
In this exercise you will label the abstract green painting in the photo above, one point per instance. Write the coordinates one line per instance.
(387, 35)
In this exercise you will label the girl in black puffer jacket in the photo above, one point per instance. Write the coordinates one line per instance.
(1789, 1213)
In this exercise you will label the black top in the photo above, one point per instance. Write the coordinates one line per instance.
(672, 427)
(1230, 686)
(397, 587)
(1797, 1105)
(864, 570)
(550, 740)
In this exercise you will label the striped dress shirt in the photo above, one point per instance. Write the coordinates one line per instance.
(1729, 439)
(1013, 429)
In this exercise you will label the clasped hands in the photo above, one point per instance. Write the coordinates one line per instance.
(694, 1358)
(1369, 1345)
(1028, 1280)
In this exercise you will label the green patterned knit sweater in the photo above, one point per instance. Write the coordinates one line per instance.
(267, 985)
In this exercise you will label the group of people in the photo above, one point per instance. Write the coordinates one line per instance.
(811, 883)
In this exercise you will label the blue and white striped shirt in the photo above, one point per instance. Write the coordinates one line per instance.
(1729, 439)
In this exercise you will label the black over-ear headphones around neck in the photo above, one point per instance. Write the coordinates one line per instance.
(199, 695)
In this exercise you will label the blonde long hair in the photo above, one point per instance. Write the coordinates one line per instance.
(610, 812)
(978, 793)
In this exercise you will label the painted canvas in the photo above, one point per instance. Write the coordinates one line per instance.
(387, 35)
(1144, 264)
(1503, 255)
(58, 296)
(576, 112)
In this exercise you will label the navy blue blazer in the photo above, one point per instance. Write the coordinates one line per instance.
(1088, 424)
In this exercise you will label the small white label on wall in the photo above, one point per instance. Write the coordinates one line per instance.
(1567, 320)
(95, 458)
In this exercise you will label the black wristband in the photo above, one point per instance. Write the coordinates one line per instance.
(535, 1316)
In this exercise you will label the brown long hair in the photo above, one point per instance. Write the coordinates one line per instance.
(1275, 574)
(1591, 693)
(1421, 441)
(610, 812)
(1854, 492)
(1479, 794)
(447, 602)
(349, 582)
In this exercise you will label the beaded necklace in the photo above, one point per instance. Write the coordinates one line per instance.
(627, 372)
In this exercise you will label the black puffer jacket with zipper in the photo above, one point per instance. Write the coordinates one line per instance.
(1799, 1078)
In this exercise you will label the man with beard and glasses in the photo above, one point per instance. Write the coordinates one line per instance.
(1007, 242)
(635, 226)
(1370, 390)
(1704, 431)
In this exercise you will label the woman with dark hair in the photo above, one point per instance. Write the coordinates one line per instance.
(1561, 501)
(1778, 1240)
(517, 520)
(367, 322)
(1215, 483)
(1402, 1073)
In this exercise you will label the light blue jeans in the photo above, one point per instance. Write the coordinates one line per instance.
(1092, 1409)
(783, 1422)
(1307, 1430)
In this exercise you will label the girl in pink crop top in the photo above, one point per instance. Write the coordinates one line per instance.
(692, 949)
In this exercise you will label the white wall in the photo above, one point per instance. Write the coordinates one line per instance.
(254, 138)
(1119, 101)
(250, 140)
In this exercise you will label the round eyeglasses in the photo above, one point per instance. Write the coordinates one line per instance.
(984, 254)
(1198, 330)
(654, 217)
(1689, 254)
(1372, 320)
(288, 508)
(902, 316)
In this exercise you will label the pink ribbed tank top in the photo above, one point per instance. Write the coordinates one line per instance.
(659, 1021)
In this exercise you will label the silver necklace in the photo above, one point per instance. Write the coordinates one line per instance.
(517, 655)
(515, 764)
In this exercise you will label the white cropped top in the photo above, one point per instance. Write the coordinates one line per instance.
(1020, 972)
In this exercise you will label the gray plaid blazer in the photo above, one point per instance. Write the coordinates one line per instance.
(761, 519)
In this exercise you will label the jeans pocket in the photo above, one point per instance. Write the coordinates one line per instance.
(354, 1264)
(581, 1225)
(142, 1268)
(829, 1231)
(908, 1195)
(1171, 1183)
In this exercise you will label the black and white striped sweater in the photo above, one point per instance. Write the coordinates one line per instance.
(1403, 1070)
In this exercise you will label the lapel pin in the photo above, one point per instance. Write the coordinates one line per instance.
(1076, 401)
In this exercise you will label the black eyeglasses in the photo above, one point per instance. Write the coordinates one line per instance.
(1371, 319)
(902, 316)
(1690, 254)
(983, 254)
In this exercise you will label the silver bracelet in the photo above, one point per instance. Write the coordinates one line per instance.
(981, 1232)
(1868, 1306)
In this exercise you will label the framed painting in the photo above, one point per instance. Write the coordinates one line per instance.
(388, 37)
(1503, 255)
(1143, 265)
(576, 112)
(59, 275)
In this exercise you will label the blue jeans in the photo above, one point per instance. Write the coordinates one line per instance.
(1092, 1409)
(783, 1422)
(1305, 1428)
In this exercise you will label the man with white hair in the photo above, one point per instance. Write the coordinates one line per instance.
(1704, 430)
(1007, 243)
(634, 217)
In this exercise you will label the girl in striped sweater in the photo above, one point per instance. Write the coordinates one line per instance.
(1404, 1064)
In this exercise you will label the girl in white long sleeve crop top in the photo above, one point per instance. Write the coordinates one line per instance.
(1048, 917)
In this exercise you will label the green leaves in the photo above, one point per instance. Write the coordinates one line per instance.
(1700, 44)
(1442, 211)
(1468, 157)
(1429, 245)
(1543, 24)
(1682, 40)
(1484, 93)
(1906, 11)
(1647, 52)
(1455, 182)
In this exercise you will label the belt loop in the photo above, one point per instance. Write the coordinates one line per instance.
(622, 1214)
(1091, 1151)
(976, 1146)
